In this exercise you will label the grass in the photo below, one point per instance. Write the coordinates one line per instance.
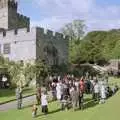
(93, 111)
(113, 80)
(9, 94)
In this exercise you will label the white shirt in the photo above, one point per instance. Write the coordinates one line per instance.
(50, 78)
(72, 89)
(58, 78)
(77, 84)
(97, 88)
(44, 100)
(59, 91)
(4, 79)
(103, 92)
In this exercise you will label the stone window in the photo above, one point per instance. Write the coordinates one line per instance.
(6, 48)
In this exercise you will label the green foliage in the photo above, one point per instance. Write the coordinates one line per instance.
(98, 47)
(92, 111)
(2, 60)
(116, 50)
(75, 31)
(81, 70)
(29, 72)
(93, 46)
(41, 70)
(23, 74)
(59, 69)
(14, 70)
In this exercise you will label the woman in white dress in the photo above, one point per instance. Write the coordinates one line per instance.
(59, 91)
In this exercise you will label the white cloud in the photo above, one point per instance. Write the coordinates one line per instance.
(61, 7)
(103, 24)
(54, 23)
(58, 12)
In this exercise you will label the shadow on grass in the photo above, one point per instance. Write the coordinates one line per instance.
(51, 112)
(11, 92)
(7, 92)
(90, 104)
(28, 106)
(87, 99)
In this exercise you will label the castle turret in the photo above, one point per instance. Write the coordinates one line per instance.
(9, 18)
(12, 4)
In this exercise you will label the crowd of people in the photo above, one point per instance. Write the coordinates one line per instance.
(69, 91)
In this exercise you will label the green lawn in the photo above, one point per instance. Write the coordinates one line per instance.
(108, 111)
(93, 111)
(113, 80)
(9, 94)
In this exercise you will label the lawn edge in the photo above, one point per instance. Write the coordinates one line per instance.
(1, 103)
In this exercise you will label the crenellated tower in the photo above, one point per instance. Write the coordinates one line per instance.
(9, 18)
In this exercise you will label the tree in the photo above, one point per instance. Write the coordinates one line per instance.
(116, 50)
(41, 70)
(94, 46)
(2, 60)
(29, 72)
(91, 48)
(99, 47)
(14, 70)
(75, 31)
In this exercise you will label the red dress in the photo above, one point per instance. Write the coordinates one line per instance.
(82, 86)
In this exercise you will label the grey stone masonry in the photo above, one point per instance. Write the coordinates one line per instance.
(9, 18)
(51, 46)
(20, 42)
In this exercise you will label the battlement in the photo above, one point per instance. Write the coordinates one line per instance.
(20, 16)
(12, 4)
(4, 32)
(41, 31)
(22, 21)
(49, 33)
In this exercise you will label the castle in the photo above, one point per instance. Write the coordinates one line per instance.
(19, 42)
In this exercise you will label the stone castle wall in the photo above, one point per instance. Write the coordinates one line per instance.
(16, 20)
(9, 18)
(55, 39)
(3, 18)
(22, 44)
(22, 21)
(29, 43)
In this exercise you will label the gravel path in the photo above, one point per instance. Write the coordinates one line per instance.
(13, 105)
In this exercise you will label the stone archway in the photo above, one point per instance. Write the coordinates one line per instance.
(50, 54)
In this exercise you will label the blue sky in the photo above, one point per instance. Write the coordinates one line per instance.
(53, 14)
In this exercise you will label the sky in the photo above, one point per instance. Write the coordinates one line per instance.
(54, 14)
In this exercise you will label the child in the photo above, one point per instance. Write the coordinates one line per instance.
(44, 102)
(34, 110)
